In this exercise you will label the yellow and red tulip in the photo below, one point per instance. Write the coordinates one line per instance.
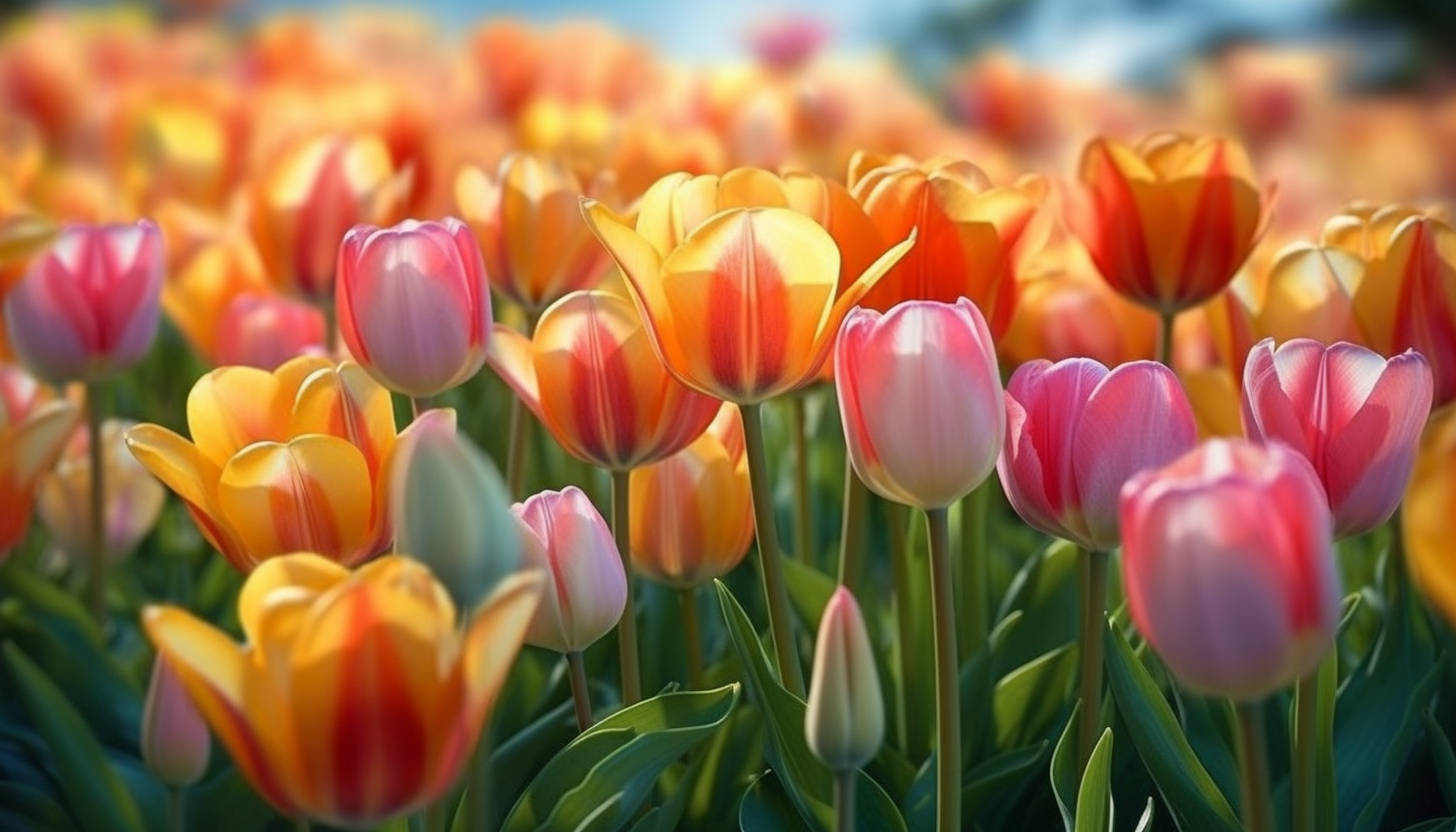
(33, 432)
(357, 696)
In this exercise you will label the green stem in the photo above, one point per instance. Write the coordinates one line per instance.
(1165, 338)
(1094, 621)
(437, 816)
(770, 565)
(176, 810)
(580, 694)
(477, 783)
(96, 576)
(1306, 720)
(851, 527)
(694, 637)
(1395, 570)
(974, 575)
(519, 433)
(418, 405)
(1254, 767)
(803, 520)
(907, 719)
(844, 800)
(947, 675)
(331, 328)
(627, 626)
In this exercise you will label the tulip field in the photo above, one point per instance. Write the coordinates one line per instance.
(514, 429)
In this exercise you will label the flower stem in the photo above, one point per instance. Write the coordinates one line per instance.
(844, 800)
(96, 576)
(1306, 703)
(1254, 767)
(437, 816)
(694, 637)
(176, 810)
(973, 586)
(851, 527)
(418, 405)
(907, 719)
(477, 783)
(519, 433)
(627, 626)
(803, 520)
(580, 695)
(947, 675)
(770, 567)
(1165, 338)
(1094, 610)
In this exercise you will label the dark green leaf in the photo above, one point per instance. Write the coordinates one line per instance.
(809, 591)
(1064, 771)
(25, 807)
(766, 808)
(1443, 759)
(1028, 698)
(1094, 798)
(1397, 748)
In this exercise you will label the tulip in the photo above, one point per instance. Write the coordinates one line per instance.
(88, 308)
(198, 294)
(971, 235)
(1356, 416)
(921, 399)
(174, 742)
(357, 696)
(33, 432)
(298, 459)
(1229, 567)
(1076, 432)
(1308, 293)
(591, 377)
(414, 305)
(565, 537)
(312, 195)
(264, 331)
(23, 233)
(1169, 223)
(692, 513)
(132, 496)
(1428, 517)
(845, 720)
(528, 224)
(453, 513)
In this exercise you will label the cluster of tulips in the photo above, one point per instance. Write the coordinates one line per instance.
(694, 272)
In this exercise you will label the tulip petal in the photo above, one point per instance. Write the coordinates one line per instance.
(512, 356)
(346, 402)
(183, 468)
(305, 573)
(233, 407)
(493, 638)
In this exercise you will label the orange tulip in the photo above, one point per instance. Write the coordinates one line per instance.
(196, 297)
(295, 459)
(357, 696)
(591, 377)
(971, 235)
(33, 431)
(1169, 223)
(742, 304)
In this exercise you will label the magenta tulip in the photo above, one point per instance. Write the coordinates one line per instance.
(1075, 433)
(921, 400)
(564, 535)
(265, 331)
(413, 304)
(1355, 415)
(89, 307)
(1229, 567)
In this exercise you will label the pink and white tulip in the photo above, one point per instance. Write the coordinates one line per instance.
(845, 720)
(1355, 415)
(921, 400)
(1229, 567)
(1076, 432)
(413, 304)
(88, 308)
(563, 534)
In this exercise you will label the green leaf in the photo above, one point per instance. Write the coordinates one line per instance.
(26, 807)
(1433, 825)
(979, 786)
(93, 790)
(1397, 749)
(597, 782)
(766, 808)
(226, 803)
(807, 781)
(1028, 698)
(1193, 798)
(1064, 771)
(1094, 798)
(978, 688)
(809, 591)
(1145, 823)
(1046, 590)
(1443, 759)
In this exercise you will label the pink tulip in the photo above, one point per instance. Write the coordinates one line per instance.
(89, 307)
(174, 743)
(563, 534)
(265, 331)
(921, 400)
(1355, 415)
(1076, 432)
(413, 304)
(1229, 567)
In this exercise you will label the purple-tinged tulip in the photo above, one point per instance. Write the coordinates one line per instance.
(174, 742)
(564, 535)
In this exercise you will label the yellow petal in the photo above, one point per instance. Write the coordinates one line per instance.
(346, 402)
(233, 407)
(494, 637)
(511, 355)
(183, 468)
(34, 444)
(304, 572)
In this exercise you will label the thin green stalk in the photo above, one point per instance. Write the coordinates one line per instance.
(844, 800)
(96, 575)
(974, 576)
(803, 519)
(1258, 810)
(418, 405)
(851, 528)
(627, 626)
(770, 567)
(580, 694)
(947, 675)
(907, 719)
(1165, 338)
(1094, 611)
(1395, 569)
(477, 783)
(694, 637)
(437, 815)
(176, 810)
(1306, 720)
(518, 435)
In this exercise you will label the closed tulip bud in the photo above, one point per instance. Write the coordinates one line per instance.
(356, 697)
(564, 536)
(132, 497)
(1355, 415)
(692, 513)
(88, 308)
(1170, 222)
(1076, 432)
(845, 720)
(453, 512)
(175, 743)
(1229, 567)
(921, 400)
(265, 331)
(33, 432)
(413, 304)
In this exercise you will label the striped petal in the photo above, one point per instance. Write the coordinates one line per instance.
(344, 401)
(182, 467)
